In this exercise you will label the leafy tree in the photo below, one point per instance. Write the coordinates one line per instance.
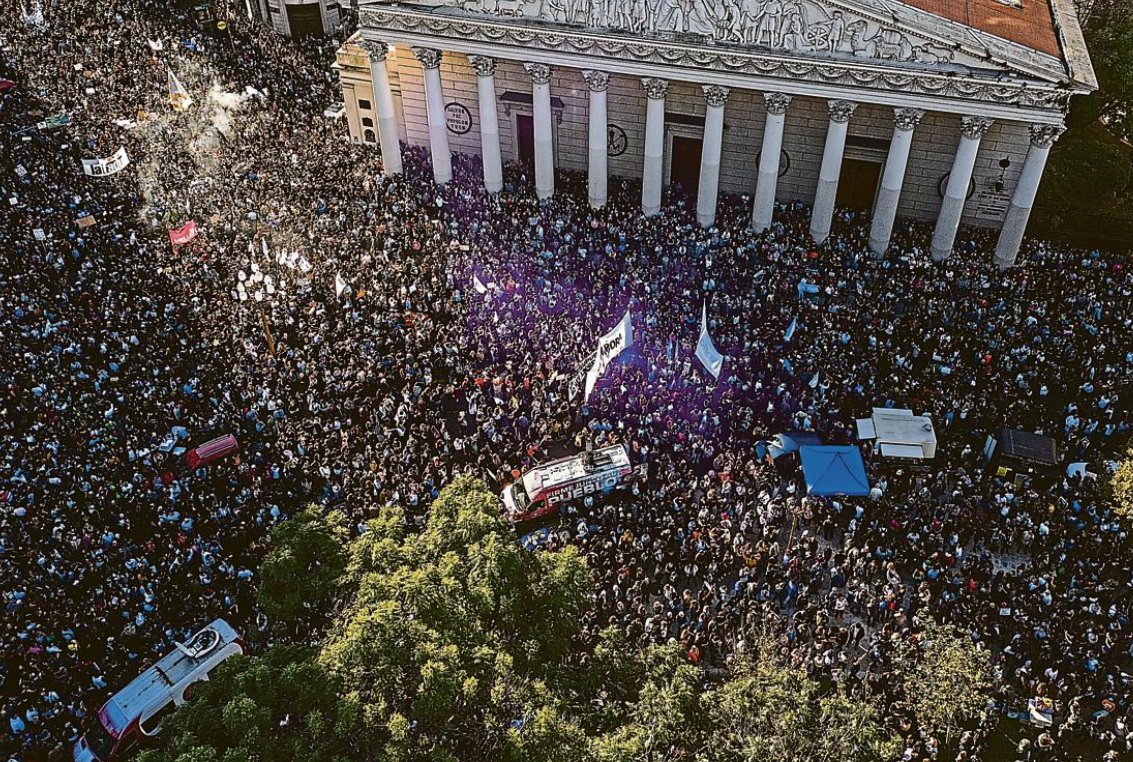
(282, 705)
(769, 711)
(302, 572)
(1121, 487)
(1085, 174)
(665, 722)
(947, 678)
(453, 630)
(455, 644)
(1109, 38)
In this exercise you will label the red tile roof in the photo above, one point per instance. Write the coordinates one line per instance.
(1032, 25)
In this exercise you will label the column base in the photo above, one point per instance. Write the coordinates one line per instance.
(939, 255)
(878, 248)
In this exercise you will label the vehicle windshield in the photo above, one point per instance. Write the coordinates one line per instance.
(99, 740)
(520, 497)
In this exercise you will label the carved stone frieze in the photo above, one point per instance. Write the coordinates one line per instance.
(834, 72)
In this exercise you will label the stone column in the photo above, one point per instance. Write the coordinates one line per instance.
(655, 90)
(544, 147)
(822, 214)
(383, 107)
(489, 122)
(713, 143)
(892, 178)
(1015, 224)
(764, 207)
(972, 129)
(435, 109)
(598, 81)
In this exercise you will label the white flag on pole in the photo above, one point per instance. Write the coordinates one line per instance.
(339, 285)
(706, 350)
(478, 285)
(609, 347)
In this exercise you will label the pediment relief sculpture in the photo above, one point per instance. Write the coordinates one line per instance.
(795, 26)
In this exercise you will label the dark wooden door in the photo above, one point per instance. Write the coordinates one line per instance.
(525, 139)
(305, 20)
(857, 185)
(685, 165)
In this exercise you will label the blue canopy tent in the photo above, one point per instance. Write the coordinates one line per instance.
(834, 470)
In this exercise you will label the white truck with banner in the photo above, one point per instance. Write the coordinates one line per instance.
(540, 491)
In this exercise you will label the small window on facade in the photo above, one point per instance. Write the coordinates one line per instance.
(367, 121)
(369, 136)
(363, 104)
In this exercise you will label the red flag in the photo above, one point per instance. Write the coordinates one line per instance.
(183, 235)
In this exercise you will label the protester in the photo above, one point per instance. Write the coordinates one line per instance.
(372, 370)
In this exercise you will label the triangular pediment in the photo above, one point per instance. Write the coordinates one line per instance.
(876, 31)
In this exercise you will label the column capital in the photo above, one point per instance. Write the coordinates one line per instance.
(1044, 135)
(840, 111)
(430, 58)
(596, 80)
(905, 119)
(540, 72)
(655, 89)
(974, 127)
(715, 94)
(485, 66)
(776, 103)
(376, 50)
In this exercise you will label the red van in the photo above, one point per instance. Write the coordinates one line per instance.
(211, 451)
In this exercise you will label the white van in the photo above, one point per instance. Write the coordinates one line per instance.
(541, 490)
(137, 711)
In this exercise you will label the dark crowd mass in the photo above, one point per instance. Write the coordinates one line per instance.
(372, 371)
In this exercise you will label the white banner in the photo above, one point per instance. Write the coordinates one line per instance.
(609, 347)
(706, 350)
(339, 285)
(105, 167)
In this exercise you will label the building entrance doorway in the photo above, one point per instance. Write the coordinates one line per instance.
(857, 185)
(305, 20)
(525, 139)
(684, 168)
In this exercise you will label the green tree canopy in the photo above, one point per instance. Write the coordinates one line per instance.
(947, 677)
(1121, 485)
(300, 577)
(455, 644)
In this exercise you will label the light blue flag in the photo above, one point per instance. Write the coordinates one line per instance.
(706, 352)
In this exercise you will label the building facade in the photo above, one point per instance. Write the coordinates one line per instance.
(298, 18)
(893, 107)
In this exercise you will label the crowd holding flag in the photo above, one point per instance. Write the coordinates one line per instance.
(339, 285)
(179, 97)
(184, 234)
(609, 347)
(706, 351)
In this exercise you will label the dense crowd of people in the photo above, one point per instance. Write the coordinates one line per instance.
(328, 316)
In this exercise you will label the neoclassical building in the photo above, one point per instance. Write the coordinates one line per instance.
(942, 110)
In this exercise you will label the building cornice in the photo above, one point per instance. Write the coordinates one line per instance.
(1004, 97)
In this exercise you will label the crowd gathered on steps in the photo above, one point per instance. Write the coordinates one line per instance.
(373, 370)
